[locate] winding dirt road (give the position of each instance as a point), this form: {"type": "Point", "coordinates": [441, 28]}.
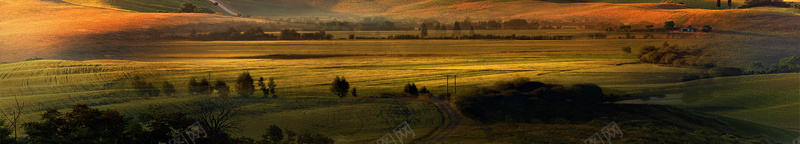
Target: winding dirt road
{"type": "Point", "coordinates": [223, 7]}
{"type": "Point", "coordinates": [453, 120]}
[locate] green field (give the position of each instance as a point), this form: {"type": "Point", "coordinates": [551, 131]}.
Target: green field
{"type": "Point", "coordinates": [303, 71]}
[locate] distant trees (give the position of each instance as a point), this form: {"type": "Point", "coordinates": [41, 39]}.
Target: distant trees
{"type": "Point", "coordinates": [627, 50]}
{"type": "Point", "coordinates": [786, 65]}
{"type": "Point", "coordinates": [33, 59]}
{"type": "Point", "coordinates": [5, 133]}
{"type": "Point", "coordinates": [222, 88]}
{"type": "Point", "coordinates": [188, 7]}
{"type": "Point", "coordinates": [143, 87]}
{"type": "Point", "coordinates": [244, 84]}
{"type": "Point", "coordinates": [411, 89]}
{"type": "Point", "coordinates": [271, 87]}
{"type": "Point", "coordinates": [423, 30]}
{"type": "Point", "coordinates": [274, 134]}
{"type": "Point", "coordinates": [669, 25]}
{"type": "Point", "coordinates": [291, 34]}
{"type": "Point", "coordinates": [168, 88]}
{"type": "Point", "coordinates": [673, 55]}
{"type": "Point", "coordinates": [516, 24]}
{"type": "Point", "coordinates": [263, 87]}
{"type": "Point", "coordinates": [340, 86]}
{"type": "Point", "coordinates": [456, 29]}
{"type": "Point", "coordinates": [233, 34]}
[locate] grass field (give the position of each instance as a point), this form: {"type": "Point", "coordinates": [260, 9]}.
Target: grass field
{"type": "Point", "coordinates": [303, 70]}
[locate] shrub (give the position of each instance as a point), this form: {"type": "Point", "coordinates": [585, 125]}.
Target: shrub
{"type": "Point", "coordinates": [244, 85]}
{"type": "Point", "coordinates": [690, 77]}
{"type": "Point", "coordinates": [627, 50]}
{"type": "Point", "coordinates": [340, 86]}
{"type": "Point", "coordinates": [724, 71]}
{"type": "Point", "coordinates": [168, 88]}
{"type": "Point", "coordinates": [222, 88]}
{"type": "Point", "coordinates": [523, 99]}
{"type": "Point", "coordinates": [33, 59]}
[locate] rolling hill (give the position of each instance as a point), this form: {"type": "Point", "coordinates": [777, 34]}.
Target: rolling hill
{"type": "Point", "coordinates": [32, 28]}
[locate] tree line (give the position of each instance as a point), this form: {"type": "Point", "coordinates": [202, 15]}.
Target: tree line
{"type": "Point", "coordinates": [673, 55]}
{"type": "Point", "coordinates": [84, 124]}
{"type": "Point", "coordinates": [232, 34]}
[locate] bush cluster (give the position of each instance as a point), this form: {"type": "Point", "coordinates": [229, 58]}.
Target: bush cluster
{"type": "Point", "coordinates": [522, 99]}
{"type": "Point", "coordinates": [673, 55]}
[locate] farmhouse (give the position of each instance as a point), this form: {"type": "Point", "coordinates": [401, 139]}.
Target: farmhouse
{"type": "Point", "coordinates": [688, 29]}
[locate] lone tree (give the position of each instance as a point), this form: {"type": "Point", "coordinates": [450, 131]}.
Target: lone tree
{"type": "Point", "coordinates": [244, 85]}
{"type": "Point", "coordinates": [143, 87]}
{"type": "Point", "coordinates": [187, 7]}
{"type": "Point", "coordinates": [168, 88]}
{"type": "Point", "coordinates": [669, 25]}
{"type": "Point", "coordinates": [193, 86]}
{"type": "Point", "coordinates": [274, 134]}
{"type": "Point", "coordinates": [271, 87]}
{"type": "Point", "coordinates": [222, 88]}
{"type": "Point", "coordinates": [340, 86]}
{"type": "Point", "coordinates": [423, 30]}
{"type": "Point", "coordinates": [205, 87]}
{"type": "Point", "coordinates": [627, 50]}
{"type": "Point", "coordinates": [263, 87]}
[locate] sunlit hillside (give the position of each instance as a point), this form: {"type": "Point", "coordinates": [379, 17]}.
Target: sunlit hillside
{"type": "Point", "coordinates": [33, 28]}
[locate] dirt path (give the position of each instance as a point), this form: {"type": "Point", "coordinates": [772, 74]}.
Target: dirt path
{"type": "Point", "coordinates": [223, 7]}
{"type": "Point", "coordinates": [452, 121]}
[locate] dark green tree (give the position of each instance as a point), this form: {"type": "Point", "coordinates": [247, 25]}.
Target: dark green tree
{"type": "Point", "coordinates": [627, 50]}
{"type": "Point", "coordinates": [271, 87]}
{"type": "Point", "coordinates": [669, 25]}
{"type": "Point", "coordinates": [274, 134]}
{"type": "Point", "coordinates": [143, 87]}
{"type": "Point", "coordinates": [5, 133]}
{"type": "Point", "coordinates": [187, 7]}
{"type": "Point", "coordinates": [263, 87]}
{"type": "Point", "coordinates": [157, 126]}
{"type": "Point", "coordinates": [423, 30]}
{"type": "Point", "coordinates": [168, 88]}
{"type": "Point", "coordinates": [411, 89]}
{"type": "Point", "coordinates": [222, 88]}
{"type": "Point", "coordinates": [244, 85]}
{"type": "Point", "coordinates": [193, 86]}
{"type": "Point", "coordinates": [205, 87]}
{"type": "Point", "coordinates": [340, 86]}
{"type": "Point", "coordinates": [82, 125]}
{"type": "Point", "coordinates": [354, 93]}
{"type": "Point", "coordinates": [424, 90]}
